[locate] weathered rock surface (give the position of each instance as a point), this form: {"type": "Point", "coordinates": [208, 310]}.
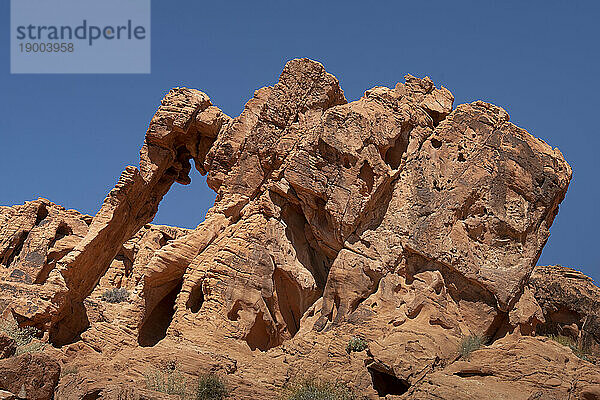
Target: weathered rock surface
{"type": "Point", "coordinates": [570, 302]}
{"type": "Point", "coordinates": [34, 236]}
{"type": "Point", "coordinates": [4, 395]}
{"type": "Point", "coordinates": [31, 376]}
{"type": "Point", "coordinates": [394, 217]}
{"type": "Point", "coordinates": [528, 368]}
{"type": "Point", "coordinates": [8, 346]}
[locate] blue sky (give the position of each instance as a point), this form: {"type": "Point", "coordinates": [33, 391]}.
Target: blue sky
{"type": "Point", "coordinates": [68, 137]}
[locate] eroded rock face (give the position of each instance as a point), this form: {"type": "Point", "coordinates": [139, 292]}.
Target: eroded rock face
{"type": "Point", "coordinates": [394, 217]}
{"type": "Point", "coordinates": [526, 368]}
{"type": "Point", "coordinates": [30, 376]}
{"type": "Point", "coordinates": [39, 233]}
{"type": "Point", "coordinates": [570, 302]}
{"type": "Point", "coordinates": [34, 236]}
{"type": "Point", "coordinates": [8, 346]}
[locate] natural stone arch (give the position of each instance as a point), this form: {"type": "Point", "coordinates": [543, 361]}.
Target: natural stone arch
{"type": "Point", "coordinates": [316, 199]}
{"type": "Point", "coordinates": [184, 127]}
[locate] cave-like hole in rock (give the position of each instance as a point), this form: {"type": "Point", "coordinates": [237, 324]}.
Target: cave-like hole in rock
{"type": "Point", "coordinates": [63, 230]}
{"type": "Point", "coordinates": [93, 395]}
{"type": "Point", "coordinates": [393, 156]}
{"type": "Point", "coordinates": [385, 383]}
{"type": "Point", "coordinates": [194, 302]}
{"type": "Point", "coordinates": [127, 263]}
{"type": "Point", "coordinates": [259, 337]}
{"type": "Point", "coordinates": [154, 328]}
{"type": "Point", "coordinates": [234, 313]}
{"type": "Point", "coordinates": [289, 300]}
{"type": "Point", "coordinates": [41, 215]}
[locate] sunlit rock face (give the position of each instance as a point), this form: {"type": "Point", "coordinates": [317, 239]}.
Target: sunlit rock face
{"type": "Point", "coordinates": [393, 217]}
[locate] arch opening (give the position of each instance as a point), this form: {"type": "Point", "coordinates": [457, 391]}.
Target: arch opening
{"type": "Point", "coordinates": [185, 205]}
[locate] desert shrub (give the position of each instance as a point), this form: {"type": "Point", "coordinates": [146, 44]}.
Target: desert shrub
{"type": "Point", "coordinates": [24, 337]}
{"type": "Point", "coordinates": [469, 344]}
{"type": "Point", "coordinates": [210, 387]}
{"type": "Point", "coordinates": [356, 344]}
{"type": "Point", "coordinates": [169, 381]}
{"type": "Point", "coordinates": [578, 350]}
{"type": "Point", "coordinates": [318, 390]}
{"type": "Point", "coordinates": [32, 347]}
{"type": "Point", "coordinates": [115, 295]}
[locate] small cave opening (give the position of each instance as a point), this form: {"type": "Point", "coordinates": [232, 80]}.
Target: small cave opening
{"type": "Point", "coordinates": [196, 298]}
{"type": "Point", "coordinates": [62, 231]}
{"type": "Point", "coordinates": [393, 155]}
{"type": "Point", "coordinates": [437, 117]}
{"type": "Point", "coordinates": [385, 383]}
{"type": "Point", "coordinates": [154, 328]}
{"type": "Point", "coordinates": [436, 143]}
{"type": "Point", "coordinates": [93, 395]}
{"type": "Point", "coordinates": [41, 215]}
{"type": "Point", "coordinates": [289, 300]}
{"type": "Point", "coordinates": [234, 313]}
{"type": "Point", "coordinates": [127, 263]}
{"type": "Point", "coordinates": [259, 337]}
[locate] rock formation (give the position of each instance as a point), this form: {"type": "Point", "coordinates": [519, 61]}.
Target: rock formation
{"type": "Point", "coordinates": [570, 302]}
{"type": "Point", "coordinates": [394, 217]}
{"type": "Point", "coordinates": [30, 376]}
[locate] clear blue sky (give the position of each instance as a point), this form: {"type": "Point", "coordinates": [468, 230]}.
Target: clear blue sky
{"type": "Point", "coordinates": [68, 137]}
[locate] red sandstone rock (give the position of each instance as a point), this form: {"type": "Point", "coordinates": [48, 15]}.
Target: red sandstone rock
{"type": "Point", "coordinates": [393, 217]}
{"type": "Point", "coordinates": [31, 376]}
{"type": "Point", "coordinates": [8, 347]}
{"type": "Point", "coordinates": [570, 302]}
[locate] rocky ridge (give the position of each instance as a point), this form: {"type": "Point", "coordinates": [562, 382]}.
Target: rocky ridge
{"type": "Point", "coordinates": [395, 218]}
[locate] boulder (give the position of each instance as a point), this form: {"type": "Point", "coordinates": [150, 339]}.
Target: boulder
{"type": "Point", "coordinates": [8, 346]}
{"type": "Point", "coordinates": [30, 375]}
{"type": "Point", "coordinates": [570, 302]}
{"type": "Point", "coordinates": [524, 369]}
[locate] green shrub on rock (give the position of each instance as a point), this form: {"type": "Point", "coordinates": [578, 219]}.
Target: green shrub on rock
{"type": "Point", "coordinates": [26, 338]}
{"type": "Point", "coordinates": [311, 389]}
{"type": "Point", "coordinates": [469, 344]}
{"type": "Point", "coordinates": [210, 387]}
{"type": "Point", "coordinates": [356, 344]}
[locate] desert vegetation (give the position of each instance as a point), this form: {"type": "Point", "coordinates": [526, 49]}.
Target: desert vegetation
{"type": "Point", "coordinates": [312, 389]}
{"type": "Point", "coordinates": [26, 338]}
{"type": "Point", "coordinates": [469, 344]}
{"type": "Point", "coordinates": [166, 380]}
{"type": "Point", "coordinates": [356, 344]}
{"type": "Point", "coordinates": [577, 349]}
{"type": "Point", "coordinates": [210, 387]}
{"type": "Point", "coordinates": [115, 295]}
{"type": "Point", "coordinates": [171, 381]}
